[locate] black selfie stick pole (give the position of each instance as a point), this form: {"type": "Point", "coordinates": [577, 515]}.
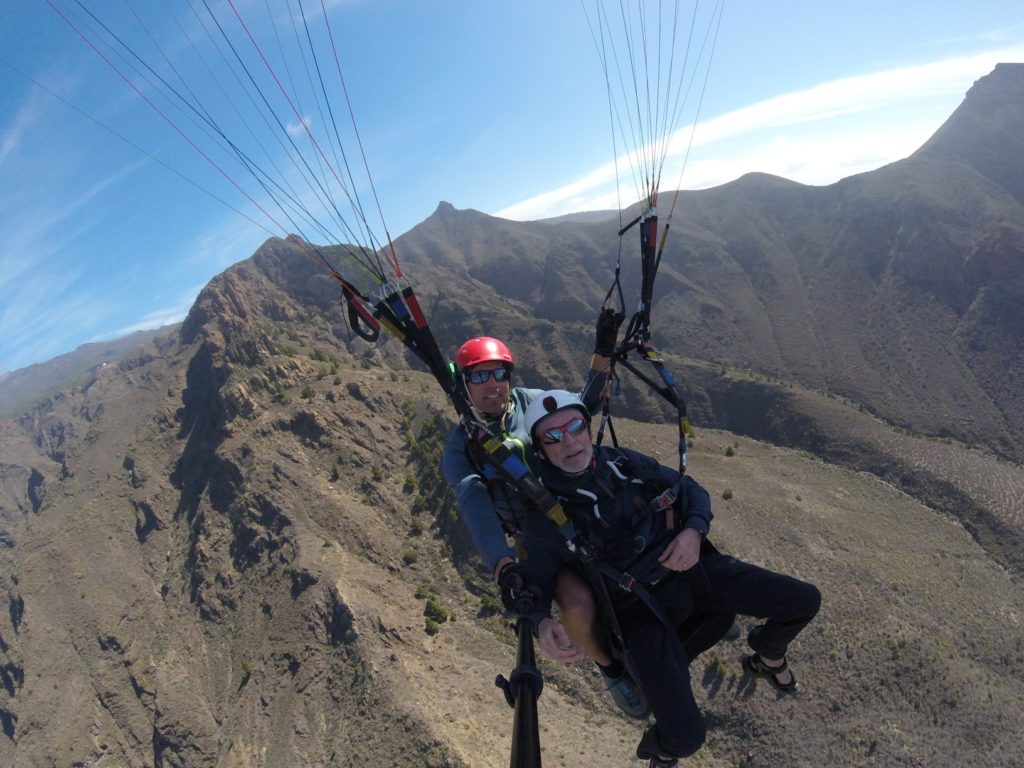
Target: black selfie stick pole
{"type": "Point", "coordinates": [523, 690]}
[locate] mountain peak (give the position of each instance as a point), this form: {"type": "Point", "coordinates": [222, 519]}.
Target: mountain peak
{"type": "Point", "coordinates": [984, 132]}
{"type": "Point", "coordinates": [1007, 76]}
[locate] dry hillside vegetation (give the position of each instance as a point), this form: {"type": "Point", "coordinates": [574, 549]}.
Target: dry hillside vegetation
{"type": "Point", "coordinates": [983, 492]}
{"type": "Point", "coordinates": [272, 611]}
{"type": "Point", "coordinates": [920, 630]}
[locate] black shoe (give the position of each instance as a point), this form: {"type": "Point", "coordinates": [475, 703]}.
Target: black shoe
{"type": "Point", "coordinates": [648, 748]}
{"type": "Point", "coordinates": [663, 762]}
{"type": "Point", "coordinates": [754, 666]}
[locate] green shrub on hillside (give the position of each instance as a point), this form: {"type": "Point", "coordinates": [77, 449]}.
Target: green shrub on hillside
{"type": "Point", "coordinates": [434, 610]}
{"type": "Point", "coordinates": [490, 605]}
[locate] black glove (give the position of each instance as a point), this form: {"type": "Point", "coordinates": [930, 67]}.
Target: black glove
{"type": "Point", "coordinates": [512, 580]}
{"type": "Point", "coordinates": [607, 331]}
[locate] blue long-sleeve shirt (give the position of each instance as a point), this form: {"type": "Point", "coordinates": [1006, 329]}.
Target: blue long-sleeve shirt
{"type": "Point", "coordinates": [476, 507]}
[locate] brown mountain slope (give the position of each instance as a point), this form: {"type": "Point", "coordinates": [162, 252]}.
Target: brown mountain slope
{"type": "Point", "coordinates": [221, 552]}
{"type": "Point", "coordinates": [901, 289]}
{"type": "Point", "coordinates": [20, 389]}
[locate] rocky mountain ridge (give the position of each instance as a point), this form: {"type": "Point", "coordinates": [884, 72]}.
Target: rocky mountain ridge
{"type": "Point", "coordinates": [899, 289]}
{"type": "Point", "coordinates": [21, 388]}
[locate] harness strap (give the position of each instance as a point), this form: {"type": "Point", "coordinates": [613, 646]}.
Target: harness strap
{"type": "Point", "coordinates": [499, 462]}
{"type": "Point", "coordinates": [627, 583]}
{"type": "Point", "coordinates": [667, 389]}
{"type": "Point", "coordinates": [622, 579]}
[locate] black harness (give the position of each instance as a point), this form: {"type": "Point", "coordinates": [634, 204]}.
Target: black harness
{"type": "Point", "coordinates": [643, 519]}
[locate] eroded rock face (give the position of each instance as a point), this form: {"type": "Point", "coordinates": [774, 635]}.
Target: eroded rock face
{"type": "Point", "coordinates": [186, 609]}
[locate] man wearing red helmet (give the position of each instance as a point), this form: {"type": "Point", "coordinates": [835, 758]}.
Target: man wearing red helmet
{"type": "Point", "coordinates": [484, 366]}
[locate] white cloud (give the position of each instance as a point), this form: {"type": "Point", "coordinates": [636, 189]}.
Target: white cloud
{"type": "Point", "coordinates": [11, 137]}
{"type": "Point", "coordinates": [220, 246]}
{"type": "Point", "coordinates": [158, 318]}
{"type": "Point", "coordinates": [777, 135]}
{"type": "Point", "coordinates": [299, 128]}
{"type": "Point", "coordinates": [45, 232]}
{"type": "Point", "coordinates": [50, 328]}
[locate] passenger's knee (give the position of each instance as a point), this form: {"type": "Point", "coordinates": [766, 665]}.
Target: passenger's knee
{"type": "Point", "coordinates": [812, 599]}
{"type": "Point", "coordinates": [700, 635]}
{"type": "Point", "coordinates": [574, 597]}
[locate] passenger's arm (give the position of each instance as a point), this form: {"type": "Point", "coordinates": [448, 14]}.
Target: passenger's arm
{"type": "Point", "coordinates": [695, 506]}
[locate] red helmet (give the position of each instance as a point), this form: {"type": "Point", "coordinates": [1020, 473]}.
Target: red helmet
{"type": "Point", "coordinates": [482, 349]}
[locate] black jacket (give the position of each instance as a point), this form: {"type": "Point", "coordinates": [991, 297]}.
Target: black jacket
{"type": "Point", "coordinates": [612, 518]}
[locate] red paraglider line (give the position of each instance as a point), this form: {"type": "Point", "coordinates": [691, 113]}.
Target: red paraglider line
{"type": "Point", "coordinates": [170, 122]}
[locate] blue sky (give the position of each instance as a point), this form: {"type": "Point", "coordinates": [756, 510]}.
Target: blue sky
{"type": "Point", "coordinates": [497, 106]}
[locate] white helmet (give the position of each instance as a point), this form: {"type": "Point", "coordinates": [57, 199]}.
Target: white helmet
{"type": "Point", "coordinates": [548, 402]}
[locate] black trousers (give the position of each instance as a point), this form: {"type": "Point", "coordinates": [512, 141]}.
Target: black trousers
{"type": "Point", "coordinates": [718, 585]}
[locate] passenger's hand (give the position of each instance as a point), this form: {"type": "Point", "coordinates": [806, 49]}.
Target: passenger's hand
{"type": "Point", "coordinates": [683, 552]}
{"type": "Point", "coordinates": [556, 642]}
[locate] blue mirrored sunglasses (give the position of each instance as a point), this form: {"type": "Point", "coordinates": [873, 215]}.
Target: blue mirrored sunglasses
{"type": "Point", "coordinates": [481, 376]}
{"type": "Point", "coordinates": [557, 434]}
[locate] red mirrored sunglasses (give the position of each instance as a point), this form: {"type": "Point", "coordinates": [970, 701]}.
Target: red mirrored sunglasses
{"type": "Point", "coordinates": [572, 427]}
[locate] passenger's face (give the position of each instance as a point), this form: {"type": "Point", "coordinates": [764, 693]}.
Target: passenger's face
{"type": "Point", "coordinates": [490, 397]}
{"type": "Point", "coordinates": [564, 437]}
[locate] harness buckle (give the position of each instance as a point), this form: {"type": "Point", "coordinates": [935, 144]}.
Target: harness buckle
{"type": "Point", "coordinates": [664, 500]}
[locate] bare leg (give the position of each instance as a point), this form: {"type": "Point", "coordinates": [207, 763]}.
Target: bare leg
{"type": "Point", "coordinates": [579, 615]}
{"type": "Point", "coordinates": [579, 620]}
